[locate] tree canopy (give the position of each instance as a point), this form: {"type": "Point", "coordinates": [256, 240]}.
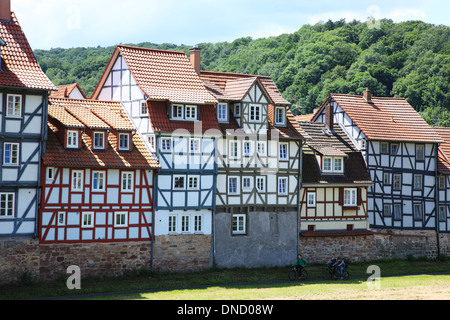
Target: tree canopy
{"type": "Point", "coordinates": [409, 60]}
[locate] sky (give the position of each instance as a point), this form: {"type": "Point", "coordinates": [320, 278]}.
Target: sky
{"type": "Point", "coordinates": [91, 23]}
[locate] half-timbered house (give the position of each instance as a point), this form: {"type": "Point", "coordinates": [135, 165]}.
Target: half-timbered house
{"type": "Point", "coordinates": [259, 171]}
{"type": "Point", "coordinates": [335, 181]}
{"type": "Point", "coordinates": [401, 152]}
{"type": "Point", "coordinates": [175, 115]}
{"type": "Point", "coordinates": [24, 90]}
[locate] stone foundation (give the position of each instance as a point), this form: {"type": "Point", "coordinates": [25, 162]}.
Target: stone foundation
{"type": "Point", "coordinates": [182, 253]}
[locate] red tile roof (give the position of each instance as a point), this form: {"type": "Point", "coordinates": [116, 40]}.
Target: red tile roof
{"type": "Point", "coordinates": [61, 115]}
{"type": "Point", "coordinates": [19, 65]}
{"type": "Point", "coordinates": [389, 119]}
{"type": "Point", "coordinates": [65, 90]}
{"type": "Point", "coordinates": [162, 75]}
{"type": "Point", "coordinates": [444, 150]}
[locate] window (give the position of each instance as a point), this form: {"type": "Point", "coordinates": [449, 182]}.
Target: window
{"type": "Point", "coordinates": [246, 183]}
{"type": "Point", "coordinates": [441, 182]}
{"type": "Point", "coordinates": [386, 178]}
{"type": "Point", "coordinates": [261, 184]}
{"type": "Point", "coordinates": [50, 174]}
{"type": "Point", "coordinates": [417, 211]}
{"type": "Point", "coordinates": [261, 148]}
{"type": "Point", "coordinates": [166, 144]}
{"type": "Point", "coordinates": [198, 223]}
{"type": "Point", "coordinates": [184, 223]}
{"type": "Point", "coordinates": [350, 197]}
{"type": "Point", "coordinates": [384, 148]}
{"type": "Point", "coordinates": [387, 210]}
{"type": "Point", "coordinates": [152, 143]}
{"type": "Point", "coordinates": [61, 218]}
{"type": "Point", "coordinates": [177, 111]}
{"type": "Point", "coordinates": [72, 139]}
{"type": "Point", "coordinates": [255, 113]}
{"type": "Point", "coordinates": [98, 181]}
{"type": "Point", "coordinates": [7, 204]}
{"type": "Point", "coordinates": [247, 148]}
{"type": "Point", "coordinates": [120, 219]}
{"type": "Point", "coordinates": [14, 105]}
{"type": "Point", "coordinates": [397, 211]}
{"type": "Point", "coordinates": [442, 213]}
{"type": "Point", "coordinates": [283, 155]}
{"type": "Point", "coordinates": [417, 182]}
{"type": "Point", "coordinates": [283, 186]}
{"type": "Point", "coordinates": [190, 113]}
{"type": "Point", "coordinates": [394, 148]}
{"type": "Point", "coordinates": [280, 115]}
{"type": "Point", "coordinates": [178, 182]}
{"type": "Point", "coordinates": [222, 112]}
{"type": "Point", "coordinates": [194, 145]}
{"type": "Point", "coordinates": [237, 110]}
{"type": "Point", "coordinates": [11, 154]}
{"type": "Point", "coordinates": [143, 109]}
{"type": "Point", "coordinates": [333, 164]}
{"type": "Point", "coordinates": [420, 152]}
{"type": "Point", "coordinates": [233, 185]}
{"type": "Point", "coordinates": [124, 141]}
{"type": "Point", "coordinates": [127, 181]}
{"type": "Point", "coordinates": [193, 182]}
{"type": "Point", "coordinates": [87, 220]}
{"type": "Point", "coordinates": [397, 184]}
{"type": "Point", "coordinates": [99, 140]}
{"type": "Point", "coordinates": [234, 149]}
{"type": "Point", "coordinates": [239, 224]}
{"type": "Point", "coordinates": [311, 199]}
{"type": "Point", "coordinates": [172, 223]}
{"type": "Point", "coordinates": [77, 180]}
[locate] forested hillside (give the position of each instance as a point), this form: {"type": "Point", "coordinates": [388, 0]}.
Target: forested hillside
{"type": "Point", "coordinates": [410, 60]}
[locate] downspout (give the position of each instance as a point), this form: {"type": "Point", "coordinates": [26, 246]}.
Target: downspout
{"type": "Point", "coordinates": [436, 211]}
{"type": "Point", "coordinates": [155, 202]}
{"type": "Point", "coordinates": [300, 163]}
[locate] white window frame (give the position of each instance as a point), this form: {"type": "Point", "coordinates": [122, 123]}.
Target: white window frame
{"type": "Point", "coordinates": [417, 182]}
{"type": "Point", "coordinates": [176, 180]}
{"type": "Point", "coordinates": [152, 142]}
{"type": "Point", "coordinates": [166, 144]}
{"type": "Point", "coordinates": [311, 199]}
{"type": "Point", "coordinates": [249, 151]}
{"type": "Point", "coordinates": [126, 181]}
{"type": "Point", "coordinates": [99, 140]}
{"type": "Point", "coordinates": [77, 180]}
{"type": "Point", "coordinates": [387, 210]}
{"type": "Point", "coordinates": [283, 185]}
{"type": "Point", "coordinates": [126, 140]}
{"type": "Point", "coordinates": [254, 113]}
{"type": "Point", "coordinates": [386, 178]}
{"type": "Point", "coordinates": [261, 148]}
{"type": "Point", "coordinates": [172, 223]}
{"type": "Point", "coordinates": [191, 112]}
{"type": "Point", "coordinates": [234, 184]}
{"type": "Point", "coordinates": [120, 219]}
{"type": "Point", "coordinates": [12, 111]}
{"type": "Point", "coordinates": [222, 112]}
{"type": "Point", "coordinates": [87, 219]}
{"type": "Point", "coordinates": [280, 116]}
{"type": "Point", "coordinates": [195, 145]}
{"type": "Point", "coordinates": [237, 110]}
{"type": "Point", "coordinates": [198, 223]}
{"type": "Point", "coordinates": [350, 197]}
{"type": "Point", "coordinates": [72, 139]}
{"type": "Point", "coordinates": [50, 173]}
{"type": "Point", "coordinates": [61, 218]}
{"type": "Point", "coordinates": [193, 182]}
{"type": "Point", "coordinates": [261, 184]}
{"type": "Point", "coordinates": [233, 150]}
{"type": "Point", "coordinates": [283, 155]}
{"type": "Point", "coordinates": [185, 223]}
{"type": "Point", "coordinates": [417, 211]}
{"type": "Point", "coordinates": [7, 205]}
{"type": "Point", "coordinates": [332, 168]}
{"type": "Point", "coordinates": [384, 148]}
{"type": "Point", "coordinates": [250, 183]}
{"type": "Point", "coordinates": [100, 176]}
{"type": "Point", "coordinates": [420, 152]}
{"type": "Point", "coordinates": [397, 182]}
{"type": "Point", "coordinates": [14, 157]}
{"type": "Point", "coordinates": [442, 182]}
{"type": "Point", "coordinates": [239, 224]}
{"type": "Point", "coordinates": [143, 108]}
{"type": "Point", "coordinates": [178, 112]}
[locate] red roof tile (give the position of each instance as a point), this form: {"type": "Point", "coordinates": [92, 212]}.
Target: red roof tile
{"type": "Point", "coordinates": [19, 65]}
{"type": "Point", "coordinates": [444, 150]}
{"type": "Point", "coordinates": [389, 119]}
{"type": "Point", "coordinates": [65, 90]}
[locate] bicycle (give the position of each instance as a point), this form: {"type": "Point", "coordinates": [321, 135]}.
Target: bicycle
{"type": "Point", "coordinates": [329, 271]}
{"type": "Point", "coordinates": [337, 273]}
{"type": "Point", "coordinates": [296, 274]}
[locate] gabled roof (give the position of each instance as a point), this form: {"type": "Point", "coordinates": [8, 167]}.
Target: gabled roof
{"type": "Point", "coordinates": [64, 113]}
{"type": "Point", "coordinates": [162, 75]}
{"type": "Point", "coordinates": [19, 65]}
{"type": "Point", "coordinates": [444, 150]}
{"type": "Point", "coordinates": [388, 119]}
{"type": "Point", "coordinates": [65, 90]}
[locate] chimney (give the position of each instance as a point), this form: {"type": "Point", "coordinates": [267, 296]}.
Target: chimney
{"type": "Point", "coordinates": [329, 116]}
{"type": "Point", "coordinates": [367, 95]}
{"type": "Point", "coordinates": [195, 58]}
{"type": "Point", "coordinates": [5, 10]}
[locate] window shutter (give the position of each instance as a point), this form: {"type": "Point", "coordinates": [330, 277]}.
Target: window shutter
{"type": "Point", "coordinates": [341, 196]}
{"type": "Point", "coordinates": [359, 196]}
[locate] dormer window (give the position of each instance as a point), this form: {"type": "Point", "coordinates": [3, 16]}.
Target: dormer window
{"type": "Point", "coordinates": [280, 116]}
{"type": "Point", "coordinates": [255, 113]}
{"type": "Point", "coordinates": [72, 139]}
{"type": "Point", "coordinates": [237, 110]}
{"type": "Point", "coordinates": [124, 141]}
{"type": "Point", "coordinates": [182, 112]}
{"type": "Point", "coordinates": [99, 140]}
{"type": "Point", "coordinates": [222, 112]}
{"type": "Point", "coordinates": [333, 165]}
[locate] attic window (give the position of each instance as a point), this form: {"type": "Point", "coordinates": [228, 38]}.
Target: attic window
{"type": "Point", "coordinates": [72, 139]}
{"type": "Point", "coordinates": [124, 141]}
{"type": "Point", "coordinates": [333, 164]}
{"type": "Point", "coordinates": [99, 140]}
{"type": "Point", "coordinates": [280, 116]}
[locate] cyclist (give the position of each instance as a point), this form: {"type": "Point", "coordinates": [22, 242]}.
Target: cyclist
{"type": "Point", "coordinates": [332, 261]}
{"type": "Point", "coordinates": [300, 263]}
{"type": "Point", "coordinates": [341, 265]}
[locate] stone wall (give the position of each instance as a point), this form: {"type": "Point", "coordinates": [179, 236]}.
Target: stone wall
{"type": "Point", "coordinates": [19, 260]}
{"type": "Point", "coordinates": [182, 253]}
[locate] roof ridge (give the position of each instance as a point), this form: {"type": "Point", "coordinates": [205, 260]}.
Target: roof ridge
{"type": "Point", "coordinates": [237, 74]}
{"type": "Point", "coordinates": [150, 49]}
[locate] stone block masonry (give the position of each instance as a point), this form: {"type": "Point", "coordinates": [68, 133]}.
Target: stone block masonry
{"type": "Point", "coordinates": [19, 259]}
